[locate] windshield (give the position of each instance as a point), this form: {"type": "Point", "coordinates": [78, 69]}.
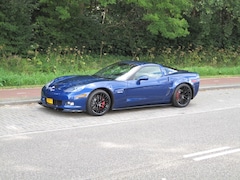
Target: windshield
{"type": "Point", "coordinates": [114, 71]}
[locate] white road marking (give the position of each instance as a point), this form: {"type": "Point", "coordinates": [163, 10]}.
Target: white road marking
{"type": "Point", "coordinates": [216, 155]}
{"type": "Point", "coordinates": [205, 152]}
{"type": "Point", "coordinates": [211, 153]}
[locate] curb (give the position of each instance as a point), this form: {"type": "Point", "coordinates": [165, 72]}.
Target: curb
{"type": "Point", "coordinates": [219, 87]}
{"type": "Point", "coordinates": [17, 102]}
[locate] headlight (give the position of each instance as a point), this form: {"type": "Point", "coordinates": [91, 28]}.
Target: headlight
{"type": "Point", "coordinates": [74, 89]}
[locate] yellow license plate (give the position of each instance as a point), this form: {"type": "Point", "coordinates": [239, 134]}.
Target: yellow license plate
{"type": "Point", "coordinates": [49, 100]}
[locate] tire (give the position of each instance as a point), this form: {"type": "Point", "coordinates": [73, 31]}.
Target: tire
{"type": "Point", "coordinates": [182, 95]}
{"type": "Point", "coordinates": [98, 103]}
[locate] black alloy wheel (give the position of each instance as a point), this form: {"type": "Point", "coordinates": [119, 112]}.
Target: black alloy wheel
{"type": "Point", "coordinates": [182, 95]}
{"type": "Point", "coordinates": [99, 102]}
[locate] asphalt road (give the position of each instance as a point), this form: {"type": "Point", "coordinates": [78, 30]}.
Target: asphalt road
{"type": "Point", "coordinates": [201, 141]}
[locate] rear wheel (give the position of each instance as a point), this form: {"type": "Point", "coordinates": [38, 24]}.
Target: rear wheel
{"type": "Point", "coordinates": [99, 102]}
{"type": "Point", "coordinates": [182, 95]}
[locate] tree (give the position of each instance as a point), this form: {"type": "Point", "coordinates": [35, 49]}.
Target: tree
{"type": "Point", "coordinates": [165, 17]}
{"type": "Point", "coordinates": [135, 25]}
{"type": "Point", "coordinates": [217, 22]}
{"type": "Point", "coordinates": [16, 26]}
{"type": "Point", "coordinates": [67, 24]}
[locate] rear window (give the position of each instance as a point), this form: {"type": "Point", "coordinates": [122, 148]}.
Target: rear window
{"type": "Point", "coordinates": [170, 70]}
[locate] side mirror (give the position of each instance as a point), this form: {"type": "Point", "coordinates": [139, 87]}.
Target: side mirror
{"type": "Point", "coordinates": [142, 78]}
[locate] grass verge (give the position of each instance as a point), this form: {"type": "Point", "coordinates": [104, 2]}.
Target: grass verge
{"type": "Point", "coordinates": [40, 69]}
{"type": "Point", "coordinates": [8, 78]}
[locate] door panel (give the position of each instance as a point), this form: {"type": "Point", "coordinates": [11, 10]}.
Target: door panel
{"type": "Point", "coordinates": [151, 91]}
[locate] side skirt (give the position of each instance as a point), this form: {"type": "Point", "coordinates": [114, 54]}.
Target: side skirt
{"type": "Point", "coordinates": [143, 106]}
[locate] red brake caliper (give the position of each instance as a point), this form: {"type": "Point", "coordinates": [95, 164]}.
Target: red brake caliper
{"type": "Point", "coordinates": [178, 95]}
{"type": "Point", "coordinates": [103, 103]}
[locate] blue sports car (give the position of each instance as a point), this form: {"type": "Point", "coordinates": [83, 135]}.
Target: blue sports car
{"type": "Point", "coordinates": [125, 84]}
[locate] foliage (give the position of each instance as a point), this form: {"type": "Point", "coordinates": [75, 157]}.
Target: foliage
{"type": "Point", "coordinates": [16, 26]}
{"type": "Point", "coordinates": [215, 23]}
{"type": "Point", "coordinates": [165, 17]}
{"type": "Point", "coordinates": [135, 28]}
{"type": "Point", "coordinates": [65, 24]}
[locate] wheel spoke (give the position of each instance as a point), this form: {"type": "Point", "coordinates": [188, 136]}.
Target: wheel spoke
{"type": "Point", "coordinates": [183, 95]}
{"type": "Point", "coordinates": [100, 103]}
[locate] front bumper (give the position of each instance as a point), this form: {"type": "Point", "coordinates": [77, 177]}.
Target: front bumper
{"type": "Point", "coordinates": [63, 108]}
{"type": "Point", "coordinates": [62, 102]}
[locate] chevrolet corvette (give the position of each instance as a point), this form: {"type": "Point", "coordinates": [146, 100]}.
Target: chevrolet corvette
{"type": "Point", "coordinates": [122, 85]}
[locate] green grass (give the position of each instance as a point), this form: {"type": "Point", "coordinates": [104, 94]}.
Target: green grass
{"type": "Point", "coordinates": [215, 71]}
{"type": "Point", "coordinates": [32, 79]}
{"type": "Point", "coordinates": [9, 78]}
{"type": "Point", "coordinates": [40, 69]}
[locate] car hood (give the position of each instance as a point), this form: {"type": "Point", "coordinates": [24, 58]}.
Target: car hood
{"type": "Point", "coordinates": [66, 82]}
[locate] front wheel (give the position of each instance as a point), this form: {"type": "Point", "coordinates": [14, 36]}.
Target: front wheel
{"type": "Point", "coordinates": [99, 102]}
{"type": "Point", "coordinates": [182, 95]}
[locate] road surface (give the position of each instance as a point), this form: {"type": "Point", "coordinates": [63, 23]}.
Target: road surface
{"type": "Point", "coordinates": [201, 141]}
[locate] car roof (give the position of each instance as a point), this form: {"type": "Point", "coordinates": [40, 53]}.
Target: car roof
{"type": "Point", "coordinates": [137, 63]}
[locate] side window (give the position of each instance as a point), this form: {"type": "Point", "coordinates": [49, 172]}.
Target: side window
{"type": "Point", "coordinates": [153, 72]}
